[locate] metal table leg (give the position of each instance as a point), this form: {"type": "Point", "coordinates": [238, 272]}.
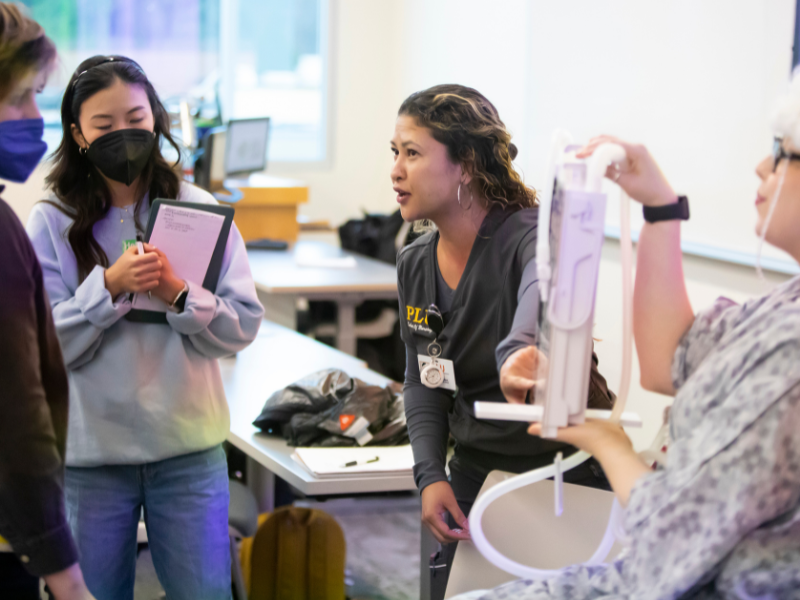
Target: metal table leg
{"type": "Point", "coordinates": [262, 483]}
{"type": "Point", "coordinates": [428, 546]}
{"type": "Point", "coordinates": [346, 334]}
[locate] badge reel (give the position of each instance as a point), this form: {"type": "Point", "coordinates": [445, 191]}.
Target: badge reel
{"type": "Point", "coordinates": [432, 375]}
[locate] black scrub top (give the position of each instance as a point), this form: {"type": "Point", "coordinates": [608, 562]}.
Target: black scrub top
{"type": "Point", "coordinates": [481, 315]}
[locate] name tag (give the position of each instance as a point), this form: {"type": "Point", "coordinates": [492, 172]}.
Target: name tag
{"type": "Point", "coordinates": [446, 378]}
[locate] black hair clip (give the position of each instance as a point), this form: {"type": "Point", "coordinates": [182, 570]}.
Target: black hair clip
{"type": "Point", "coordinates": [435, 319]}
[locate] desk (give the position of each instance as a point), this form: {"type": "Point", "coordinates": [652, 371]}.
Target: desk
{"type": "Point", "coordinates": [278, 357]}
{"type": "Point", "coordinates": [268, 207]}
{"type": "Point", "coordinates": [280, 282]}
{"type": "Point", "coordinates": [275, 359]}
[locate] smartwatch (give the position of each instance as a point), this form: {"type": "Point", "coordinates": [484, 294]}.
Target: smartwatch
{"type": "Point", "coordinates": [669, 212]}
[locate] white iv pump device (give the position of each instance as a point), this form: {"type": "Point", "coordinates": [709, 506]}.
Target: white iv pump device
{"type": "Point", "coordinates": [573, 205]}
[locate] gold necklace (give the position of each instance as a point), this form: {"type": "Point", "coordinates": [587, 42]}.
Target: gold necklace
{"type": "Point", "coordinates": [125, 208]}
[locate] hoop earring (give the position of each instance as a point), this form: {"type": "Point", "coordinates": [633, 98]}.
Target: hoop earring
{"type": "Point", "coordinates": [81, 150]}
{"type": "Point", "coordinates": [458, 194]}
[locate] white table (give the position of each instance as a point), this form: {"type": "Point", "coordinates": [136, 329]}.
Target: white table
{"type": "Point", "coordinates": [280, 282]}
{"type": "Point", "coordinates": [277, 358]}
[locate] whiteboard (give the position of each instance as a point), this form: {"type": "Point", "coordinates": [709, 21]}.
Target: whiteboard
{"type": "Point", "coordinates": [694, 80]}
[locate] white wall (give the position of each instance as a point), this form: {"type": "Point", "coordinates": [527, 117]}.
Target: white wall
{"type": "Point", "coordinates": [695, 81]}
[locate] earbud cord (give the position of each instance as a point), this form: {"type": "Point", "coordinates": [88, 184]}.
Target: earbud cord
{"type": "Point", "coordinates": [768, 220]}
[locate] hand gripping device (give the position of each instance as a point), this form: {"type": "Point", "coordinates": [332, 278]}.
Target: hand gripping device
{"type": "Point", "coordinates": [567, 262]}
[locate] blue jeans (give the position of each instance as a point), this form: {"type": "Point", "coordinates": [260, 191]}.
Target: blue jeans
{"type": "Point", "coordinates": [185, 501]}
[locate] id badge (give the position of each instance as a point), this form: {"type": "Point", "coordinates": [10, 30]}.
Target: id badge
{"type": "Point", "coordinates": [437, 372]}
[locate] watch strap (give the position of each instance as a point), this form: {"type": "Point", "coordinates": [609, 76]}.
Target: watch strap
{"type": "Point", "coordinates": [669, 212]}
{"type": "Point", "coordinates": [180, 303]}
{"type": "Point", "coordinates": [180, 299]}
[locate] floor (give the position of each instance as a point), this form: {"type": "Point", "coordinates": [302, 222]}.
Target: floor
{"type": "Point", "coordinates": [383, 541]}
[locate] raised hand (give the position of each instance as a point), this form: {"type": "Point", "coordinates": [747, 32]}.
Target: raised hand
{"type": "Point", "coordinates": [639, 175]}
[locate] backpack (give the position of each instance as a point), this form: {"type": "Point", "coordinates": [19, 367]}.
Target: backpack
{"type": "Point", "coordinates": [374, 236]}
{"type": "Point", "coordinates": [296, 554]}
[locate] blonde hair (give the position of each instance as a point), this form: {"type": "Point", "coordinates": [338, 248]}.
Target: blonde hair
{"type": "Point", "coordinates": [23, 47]}
{"type": "Point", "coordinates": [469, 126]}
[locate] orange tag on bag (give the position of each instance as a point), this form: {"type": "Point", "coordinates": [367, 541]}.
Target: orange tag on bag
{"type": "Point", "coordinates": [346, 420]}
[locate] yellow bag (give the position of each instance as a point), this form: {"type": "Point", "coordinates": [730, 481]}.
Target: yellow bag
{"type": "Point", "coordinates": [296, 554]}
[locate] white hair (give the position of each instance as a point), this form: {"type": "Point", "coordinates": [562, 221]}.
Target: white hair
{"type": "Point", "coordinates": [786, 118]}
{"type": "Point", "coordinates": [786, 125]}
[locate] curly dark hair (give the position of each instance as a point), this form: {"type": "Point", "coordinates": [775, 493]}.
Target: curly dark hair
{"type": "Point", "coordinates": [84, 195]}
{"type": "Point", "coordinates": [469, 126]}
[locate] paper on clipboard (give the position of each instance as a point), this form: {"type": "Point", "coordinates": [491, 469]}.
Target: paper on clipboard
{"type": "Point", "coordinates": [188, 237]}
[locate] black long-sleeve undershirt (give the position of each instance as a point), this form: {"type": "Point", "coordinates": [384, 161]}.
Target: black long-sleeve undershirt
{"type": "Point", "coordinates": [33, 410]}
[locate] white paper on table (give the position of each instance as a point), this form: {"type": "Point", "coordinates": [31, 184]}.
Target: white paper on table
{"type": "Point", "coordinates": [328, 462]}
{"type": "Point", "coordinates": [188, 237]}
{"type": "Point", "coordinates": [326, 262]}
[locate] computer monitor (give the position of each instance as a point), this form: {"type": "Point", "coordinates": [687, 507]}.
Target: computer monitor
{"type": "Point", "coordinates": [246, 146]}
{"type": "Point", "coordinates": [209, 163]}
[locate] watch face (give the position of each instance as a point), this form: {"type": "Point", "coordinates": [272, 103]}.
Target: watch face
{"type": "Point", "coordinates": [431, 376]}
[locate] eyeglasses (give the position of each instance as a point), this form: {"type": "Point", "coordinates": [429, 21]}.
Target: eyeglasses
{"type": "Point", "coordinates": [778, 154]}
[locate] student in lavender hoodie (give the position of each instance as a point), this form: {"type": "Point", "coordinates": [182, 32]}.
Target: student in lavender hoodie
{"type": "Point", "coordinates": [148, 412]}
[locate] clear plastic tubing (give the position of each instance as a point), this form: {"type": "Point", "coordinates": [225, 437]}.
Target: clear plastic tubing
{"type": "Point", "coordinates": [603, 156]}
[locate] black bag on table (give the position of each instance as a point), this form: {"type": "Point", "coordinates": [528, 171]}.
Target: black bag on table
{"type": "Point", "coordinates": [319, 409]}
{"type": "Point", "coordinates": [372, 236]}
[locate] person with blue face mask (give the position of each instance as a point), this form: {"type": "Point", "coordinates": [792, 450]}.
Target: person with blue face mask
{"type": "Point", "coordinates": [149, 413]}
{"type": "Point", "coordinates": [34, 397]}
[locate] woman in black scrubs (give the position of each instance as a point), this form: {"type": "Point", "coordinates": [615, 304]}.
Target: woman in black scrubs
{"type": "Point", "coordinates": [460, 286]}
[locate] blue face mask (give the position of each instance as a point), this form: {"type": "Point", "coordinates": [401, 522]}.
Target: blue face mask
{"type": "Point", "coordinates": [21, 148]}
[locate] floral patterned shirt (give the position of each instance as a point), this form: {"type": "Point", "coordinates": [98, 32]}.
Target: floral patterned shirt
{"type": "Point", "coordinates": [722, 519]}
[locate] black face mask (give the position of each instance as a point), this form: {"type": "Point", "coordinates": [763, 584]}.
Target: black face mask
{"type": "Point", "coordinates": [121, 155]}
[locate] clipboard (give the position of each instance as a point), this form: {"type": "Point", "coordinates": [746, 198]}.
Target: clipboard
{"type": "Point", "coordinates": [214, 266]}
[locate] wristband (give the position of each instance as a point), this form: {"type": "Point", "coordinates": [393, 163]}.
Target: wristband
{"type": "Point", "coordinates": [669, 212]}
{"type": "Point", "coordinates": [180, 299]}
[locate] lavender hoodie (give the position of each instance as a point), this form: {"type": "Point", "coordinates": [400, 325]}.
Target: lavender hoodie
{"type": "Point", "coordinates": [142, 392]}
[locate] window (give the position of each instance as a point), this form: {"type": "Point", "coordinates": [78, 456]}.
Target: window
{"type": "Point", "coordinates": [276, 67]}
{"type": "Point", "coordinates": [796, 47]}
{"type": "Point", "coordinates": [175, 41]}
{"type": "Point", "coordinates": [248, 58]}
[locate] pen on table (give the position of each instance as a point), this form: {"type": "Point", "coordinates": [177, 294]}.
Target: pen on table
{"type": "Point", "coordinates": [356, 463]}
{"type": "Point", "coordinates": [140, 250]}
